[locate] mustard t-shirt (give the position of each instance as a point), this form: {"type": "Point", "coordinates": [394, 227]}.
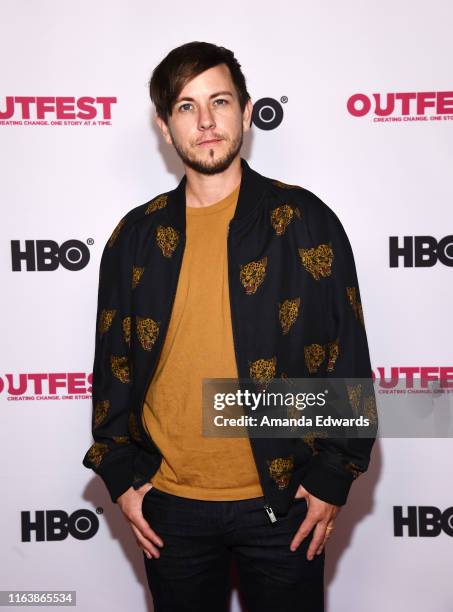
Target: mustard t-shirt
{"type": "Point", "coordinates": [199, 344]}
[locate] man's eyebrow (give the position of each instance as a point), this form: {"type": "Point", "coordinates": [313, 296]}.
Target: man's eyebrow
{"type": "Point", "coordinates": [214, 95]}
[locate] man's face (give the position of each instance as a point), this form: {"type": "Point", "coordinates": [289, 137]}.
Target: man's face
{"type": "Point", "coordinates": [206, 125]}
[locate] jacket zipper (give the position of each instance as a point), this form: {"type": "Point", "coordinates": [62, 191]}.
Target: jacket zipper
{"type": "Point", "coordinates": [267, 508]}
{"type": "Point", "coordinates": [270, 513]}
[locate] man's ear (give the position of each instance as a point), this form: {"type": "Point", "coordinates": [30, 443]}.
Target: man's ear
{"type": "Point", "coordinates": [247, 116]}
{"type": "Point", "coordinates": [163, 128]}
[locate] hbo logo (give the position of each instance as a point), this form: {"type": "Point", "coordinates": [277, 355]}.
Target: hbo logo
{"type": "Point", "coordinates": [422, 521]}
{"type": "Point", "coordinates": [53, 525]}
{"type": "Point", "coordinates": [45, 255]}
{"type": "Point", "coordinates": [420, 251]}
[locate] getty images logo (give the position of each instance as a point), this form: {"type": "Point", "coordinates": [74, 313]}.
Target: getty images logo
{"type": "Point", "coordinates": [47, 255]}
{"type": "Point", "coordinates": [57, 525]}
{"type": "Point", "coordinates": [422, 521]}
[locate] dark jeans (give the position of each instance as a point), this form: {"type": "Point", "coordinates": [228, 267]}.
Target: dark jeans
{"type": "Point", "coordinates": [202, 537]}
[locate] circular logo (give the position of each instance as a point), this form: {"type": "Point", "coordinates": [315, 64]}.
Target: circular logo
{"type": "Point", "coordinates": [267, 113]}
{"type": "Point", "coordinates": [445, 250]}
{"type": "Point", "coordinates": [74, 255]}
{"type": "Point", "coordinates": [83, 524]}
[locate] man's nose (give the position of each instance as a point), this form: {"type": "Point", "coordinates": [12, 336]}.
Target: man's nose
{"type": "Point", "coordinates": [206, 118]}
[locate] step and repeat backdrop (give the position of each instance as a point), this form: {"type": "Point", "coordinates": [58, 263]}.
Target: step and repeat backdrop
{"type": "Point", "coordinates": [353, 101]}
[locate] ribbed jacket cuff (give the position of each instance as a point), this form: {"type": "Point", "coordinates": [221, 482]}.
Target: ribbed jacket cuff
{"type": "Point", "coordinates": [326, 483]}
{"type": "Point", "coordinates": [118, 475]}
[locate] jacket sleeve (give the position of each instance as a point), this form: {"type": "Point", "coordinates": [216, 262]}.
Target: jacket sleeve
{"type": "Point", "coordinates": [112, 454]}
{"type": "Point", "coordinates": [336, 462]}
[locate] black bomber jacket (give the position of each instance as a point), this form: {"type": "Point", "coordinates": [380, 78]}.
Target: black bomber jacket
{"type": "Point", "coordinates": [295, 310]}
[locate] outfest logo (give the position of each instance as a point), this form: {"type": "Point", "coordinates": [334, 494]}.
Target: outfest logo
{"type": "Point", "coordinates": [32, 386]}
{"type": "Point", "coordinates": [56, 110]}
{"type": "Point", "coordinates": [402, 106]}
{"type": "Point", "coordinates": [413, 378]}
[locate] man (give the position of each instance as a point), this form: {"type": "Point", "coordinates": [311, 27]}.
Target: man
{"type": "Point", "coordinates": [229, 275]}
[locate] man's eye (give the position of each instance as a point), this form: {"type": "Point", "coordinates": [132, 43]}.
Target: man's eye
{"type": "Point", "coordinates": [183, 107]}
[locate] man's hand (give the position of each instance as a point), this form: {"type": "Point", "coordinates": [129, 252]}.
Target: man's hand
{"type": "Point", "coordinates": [320, 514]}
{"type": "Point", "coordinates": [130, 503]}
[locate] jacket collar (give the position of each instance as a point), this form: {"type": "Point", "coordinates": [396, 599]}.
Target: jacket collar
{"type": "Point", "coordinates": [251, 193]}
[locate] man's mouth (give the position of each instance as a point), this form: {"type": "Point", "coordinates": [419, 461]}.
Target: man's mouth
{"type": "Point", "coordinates": [210, 142]}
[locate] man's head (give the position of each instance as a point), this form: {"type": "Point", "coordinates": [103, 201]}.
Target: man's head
{"type": "Point", "coordinates": [200, 95]}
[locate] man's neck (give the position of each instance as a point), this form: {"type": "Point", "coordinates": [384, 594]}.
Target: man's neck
{"type": "Point", "coordinates": [206, 189]}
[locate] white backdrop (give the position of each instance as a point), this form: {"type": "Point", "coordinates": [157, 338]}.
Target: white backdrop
{"type": "Point", "coordinates": [74, 182]}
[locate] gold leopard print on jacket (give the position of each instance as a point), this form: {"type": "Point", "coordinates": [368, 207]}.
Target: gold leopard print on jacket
{"type": "Point", "coordinates": [280, 470]}
{"type": "Point", "coordinates": [167, 239]}
{"type": "Point", "coordinates": [147, 332]}
{"type": "Point", "coordinates": [282, 216]}
{"type": "Point", "coordinates": [252, 275]}
{"type": "Point", "coordinates": [287, 313]}
{"type": "Point", "coordinates": [262, 371]}
{"type": "Point", "coordinates": [318, 260]}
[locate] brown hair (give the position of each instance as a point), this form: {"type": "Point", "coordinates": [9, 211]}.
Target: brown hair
{"type": "Point", "coordinates": [183, 64]}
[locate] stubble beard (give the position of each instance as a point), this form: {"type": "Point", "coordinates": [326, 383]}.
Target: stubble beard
{"type": "Point", "coordinates": [215, 165]}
